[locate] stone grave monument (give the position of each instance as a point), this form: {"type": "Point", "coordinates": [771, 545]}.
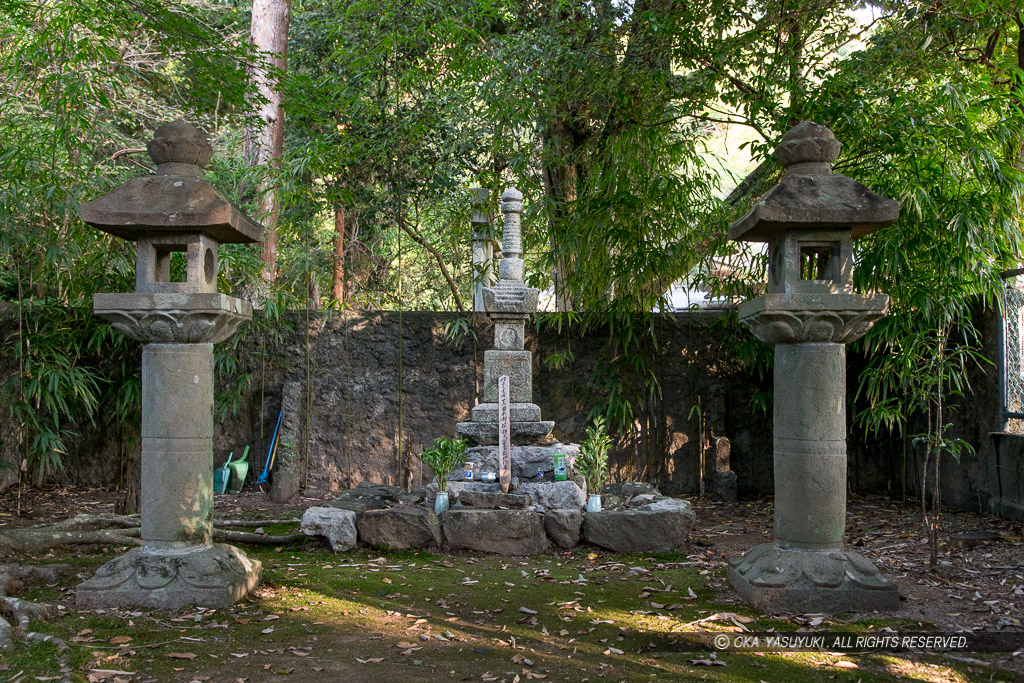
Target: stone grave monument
{"type": "Point", "coordinates": [174, 210]}
{"type": "Point", "coordinates": [809, 313]}
{"type": "Point", "coordinates": [510, 303]}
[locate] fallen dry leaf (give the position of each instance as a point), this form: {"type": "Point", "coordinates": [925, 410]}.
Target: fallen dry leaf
{"type": "Point", "coordinates": [710, 661]}
{"type": "Point", "coordinates": [182, 655]}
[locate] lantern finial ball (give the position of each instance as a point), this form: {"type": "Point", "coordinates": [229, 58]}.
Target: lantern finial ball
{"type": "Point", "coordinates": [179, 142]}
{"type": "Point", "coordinates": [808, 143]}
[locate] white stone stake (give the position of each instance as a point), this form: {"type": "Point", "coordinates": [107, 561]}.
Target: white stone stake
{"type": "Point", "coordinates": [504, 434]}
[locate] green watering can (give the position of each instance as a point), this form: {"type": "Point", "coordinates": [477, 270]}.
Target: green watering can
{"type": "Point", "coordinates": [239, 469]}
{"type": "Point", "coordinates": [220, 476]}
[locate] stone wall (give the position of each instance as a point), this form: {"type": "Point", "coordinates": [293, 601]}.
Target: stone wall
{"type": "Point", "coordinates": [892, 465]}
{"type": "Point", "coordinates": [356, 411]}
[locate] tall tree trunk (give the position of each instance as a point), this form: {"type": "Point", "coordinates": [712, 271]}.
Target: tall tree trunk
{"type": "Point", "coordinates": [264, 143]}
{"type": "Point", "coordinates": [338, 276]}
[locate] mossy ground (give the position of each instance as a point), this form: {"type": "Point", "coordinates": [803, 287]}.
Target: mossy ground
{"type": "Point", "coordinates": [411, 616]}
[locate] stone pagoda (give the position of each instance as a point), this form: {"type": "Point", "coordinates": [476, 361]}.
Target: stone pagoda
{"type": "Point", "coordinates": [510, 303]}
{"type": "Point", "coordinates": [174, 210]}
{"type": "Point", "coordinates": [809, 313]}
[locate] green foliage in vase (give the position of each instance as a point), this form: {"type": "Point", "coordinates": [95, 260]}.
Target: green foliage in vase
{"type": "Point", "coordinates": [592, 461]}
{"type": "Point", "coordinates": [443, 457]}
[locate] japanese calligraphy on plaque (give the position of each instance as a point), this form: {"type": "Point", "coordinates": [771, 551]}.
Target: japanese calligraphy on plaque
{"type": "Point", "coordinates": [504, 434]}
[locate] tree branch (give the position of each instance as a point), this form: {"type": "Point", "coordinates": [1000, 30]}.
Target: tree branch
{"type": "Point", "coordinates": [419, 239]}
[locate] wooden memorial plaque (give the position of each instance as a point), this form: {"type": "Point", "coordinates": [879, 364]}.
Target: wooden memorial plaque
{"type": "Point", "coordinates": [504, 434]}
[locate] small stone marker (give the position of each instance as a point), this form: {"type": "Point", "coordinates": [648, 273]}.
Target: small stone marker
{"type": "Point", "coordinates": [504, 434]}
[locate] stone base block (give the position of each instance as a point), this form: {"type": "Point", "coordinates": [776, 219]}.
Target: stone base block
{"type": "Point", "coordinates": [400, 528]}
{"type": "Point", "coordinates": [369, 496]}
{"type": "Point", "coordinates": [640, 531]}
{"type": "Point", "coordinates": [785, 580]}
{"type": "Point", "coordinates": [518, 365]}
{"type": "Point", "coordinates": [456, 489]}
{"type": "Point", "coordinates": [486, 433]}
{"type": "Point", "coordinates": [554, 495]}
{"type": "Point", "coordinates": [217, 576]}
{"type": "Point", "coordinates": [1000, 507]}
{"type": "Point", "coordinates": [526, 460]}
{"type": "Point", "coordinates": [518, 412]}
{"type": "Point", "coordinates": [504, 532]}
{"type": "Point", "coordinates": [563, 527]}
{"type": "Point", "coordinates": [724, 485]}
{"type": "Point", "coordinates": [493, 500]}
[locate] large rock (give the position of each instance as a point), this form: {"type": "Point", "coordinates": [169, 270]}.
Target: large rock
{"type": "Point", "coordinates": [504, 532]}
{"type": "Point", "coordinates": [369, 496]}
{"type": "Point", "coordinates": [792, 580]}
{"type": "Point", "coordinates": [563, 527]}
{"type": "Point", "coordinates": [336, 525]}
{"type": "Point", "coordinates": [554, 495]}
{"type": "Point", "coordinates": [399, 528]}
{"type": "Point", "coordinates": [639, 531]}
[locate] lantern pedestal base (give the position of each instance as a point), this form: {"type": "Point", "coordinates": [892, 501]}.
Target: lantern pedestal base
{"type": "Point", "coordinates": [776, 580]}
{"type": "Point", "coordinates": [170, 578]}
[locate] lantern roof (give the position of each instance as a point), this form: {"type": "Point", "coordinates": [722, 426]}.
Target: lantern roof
{"type": "Point", "coordinates": [811, 196]}
{"type": "Point", "coordinates": [176, 199]}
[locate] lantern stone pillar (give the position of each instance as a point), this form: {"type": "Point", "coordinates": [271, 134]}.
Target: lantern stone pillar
{"type": "Point", "coordinates": [810, 313]}
{"type": "Point", "coordinates": [174, 210]}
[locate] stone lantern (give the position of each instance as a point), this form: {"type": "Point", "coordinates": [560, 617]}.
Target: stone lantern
{"type": "Point", "coordinates": [178, 323]}
{"type": "Point", "coordinates": [809, 313]}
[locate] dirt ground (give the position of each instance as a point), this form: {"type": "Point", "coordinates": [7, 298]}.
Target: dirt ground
{"type": "Point", "coordinates": [978, 584]}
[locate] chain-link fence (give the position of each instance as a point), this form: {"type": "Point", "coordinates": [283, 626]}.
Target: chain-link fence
{"type": "Point", "coordinates": [1011, 357]}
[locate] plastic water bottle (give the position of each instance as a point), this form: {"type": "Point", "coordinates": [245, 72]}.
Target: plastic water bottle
{"type": "Point", "coordinates": [560, 472]}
